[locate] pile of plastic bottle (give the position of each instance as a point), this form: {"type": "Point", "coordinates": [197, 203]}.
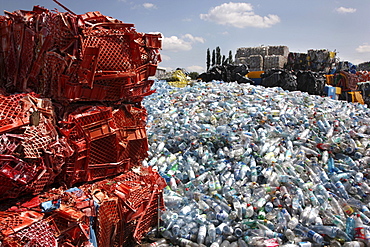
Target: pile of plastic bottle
{"type": "Point", "coordinates": [252, 166]}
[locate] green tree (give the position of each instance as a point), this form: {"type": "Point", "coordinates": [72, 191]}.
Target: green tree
{"type": "Point", "coordinates": [224, 60]}
{"type": "Point", "coordinates": [208, 59]}
{"type": "Point", "coordinates": [231, 57]}
{"type": "Point", "coordinates": [213, 57]}
{"type": "Point", "coordinates": [218, 55]}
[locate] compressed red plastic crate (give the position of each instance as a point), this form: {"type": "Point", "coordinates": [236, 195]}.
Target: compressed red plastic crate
{"type": "Point", "coordinates": [103, 65]}
{"type": "Point", "coordinates": [145, 207]}
{"type": "Point", "coordinates": [89, 57]}
{"type": "Point", "coordinates": [107, 142]}
{"type": "Point", "coordinates": [31, 154]}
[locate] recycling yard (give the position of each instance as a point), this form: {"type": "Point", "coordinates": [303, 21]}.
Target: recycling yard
{"type": "Point", "coordinates": [97, 149]}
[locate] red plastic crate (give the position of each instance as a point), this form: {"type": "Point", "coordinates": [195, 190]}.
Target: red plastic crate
{"type": "Point", "coordinates": [102, 171]}
{"type": "Point", "coordinates": [41, 233]}
{"type": "Point", "coordinates": [88, 115]}
{"type": "Point", "coordinates": [52, 70]}
{"type": "Point", "coordinates": [134, 93]}
{"type": "Point", "coordinates": [18, 171]}
{"type": "Point", "coordinates": [52, 61]}
{"type": "Point", "coordinates": [63, 29]}
{"type": "Point", "coordinates": [129, 116]}
{"type": "Point", "coordinates": [37, 139]}
{"type": "Point", "coordinates": [13, 112]}
{"type": "Point", "coordinates": [153, 40]}
{"type": "Point", "coordinates": [107, 219]}
{"type": "Point", "coordinates": [12, 222]}
{"type": "Point", "coordinates": [75, 168]}
{"type": "Point", "coordinates": [144, 71]}
{"type": "Point", "coordinates": [26, 57]}
{"type": "Point", "coordinates": [116, 42]}
{"type": "Point", "coordinates": [144, 208]}
{"type": "Point", "coordinates": [150, 216]}
{"type": "Point", "coordinates": [9, 143]}
{"type": "Point", "coordinates": [136, 150]}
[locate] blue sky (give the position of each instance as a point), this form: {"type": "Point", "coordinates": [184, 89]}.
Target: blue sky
{"type": "Point", "coordinates": [190, 27]}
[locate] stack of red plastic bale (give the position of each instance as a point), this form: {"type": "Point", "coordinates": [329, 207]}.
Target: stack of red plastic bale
{"type": "Point", "coordinates": [71, 115]}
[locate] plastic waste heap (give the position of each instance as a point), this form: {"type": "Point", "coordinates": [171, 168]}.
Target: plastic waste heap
{"type": "Point", "coordinates": [253, 166]}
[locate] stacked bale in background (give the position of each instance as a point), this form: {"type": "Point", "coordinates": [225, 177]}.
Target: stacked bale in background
{"type": "Point", "coordinates": [263, 57]}
{"type": "Point", "coordinates": [274, 61]}
{"type": "Point", "coordinates": [255, 62]}
{"type": "Point", "coordinates": [321, 60]}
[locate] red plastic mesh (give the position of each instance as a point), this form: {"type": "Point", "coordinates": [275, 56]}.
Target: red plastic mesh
{"type": "Point", "coordinates": [61, 30]}
{"type": "Point", "coordinates": [26, 57]}
{"type": "Point", "coordinates": [136, 150]}
{"type": "Point", "coordinates": [9, 143]}
{"type": "Point", "coordinates": [37, 139]}
{"type": "Point", "coordinates": [106, 222]}
{"type": "Point", "coordinates": [129, 116]}
{"type": "Point", "coordinates": [103, 171]}
{"type": "Point", "coordinates": [54, 65]}
{"type": "Point", "coordinates": [39, 234]}
{"type": "Point", "coordinates": [6, 185]}
{"type": "Point", "coordinates": [89, 115]}
{"type": "Point", "coordinates": [115, 53]}
{"type": "Point", "coordinates": [13, 112]}
{"type": "Point", "coordinates": [16, 170]}
{"type": "Point", "coordinates": [113, 88]}
{"type": "Point", "coordinates": [12, 222]}
{"type": "Point", "coordinates": [150, 216]}
{"type": "Point", "coordinates": [104, 150]}
{"type": "Point", "coordinates": [149, 183]}
{"type": "Point", "coordinates": [43, 180]}
{"type": "Point", "coordinates": [62, 224]}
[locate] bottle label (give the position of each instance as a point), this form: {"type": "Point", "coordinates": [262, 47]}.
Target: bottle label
{"type": "Point", "coordinates": [361, 233]}
{"type": "Point", "coordinates": [271, 243]}
{"type": "Point", "coordinates": [348, 210]}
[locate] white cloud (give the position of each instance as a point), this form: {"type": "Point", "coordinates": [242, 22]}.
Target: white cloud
{"type": "Point", "coordinates": [195, 68]}
{"type": "Point", "coordinates": [174, 43]}
{"type": "Point", "coordinates": [365, 48]}
{"type": "Point", "coordinates": [184, 43]}
{"type": "Point", "coordinates": [239, 15]}
{"type": "Point", "coordinates": [193, 39]}
{"type": "Point", "coordinates": [343, 10]}
{"type": "Point", "coordinates": [149, 6]}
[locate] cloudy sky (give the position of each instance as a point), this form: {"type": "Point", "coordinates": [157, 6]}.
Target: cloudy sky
{"type": "Point", "coordinates": [189, 27]}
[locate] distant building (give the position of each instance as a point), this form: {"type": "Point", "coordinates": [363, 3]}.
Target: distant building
{"type": "Point", "coordinates": [160, 73]}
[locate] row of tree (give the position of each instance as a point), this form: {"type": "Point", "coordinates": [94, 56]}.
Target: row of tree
{"type": "Point", "coordinates": [216, 58]}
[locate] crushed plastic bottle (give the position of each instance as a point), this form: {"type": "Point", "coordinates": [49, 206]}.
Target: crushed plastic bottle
{"type": "Point", "coordinates": [254, 166]}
